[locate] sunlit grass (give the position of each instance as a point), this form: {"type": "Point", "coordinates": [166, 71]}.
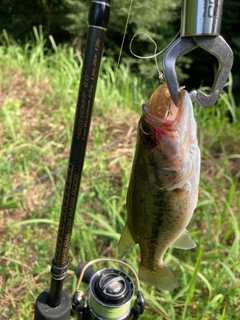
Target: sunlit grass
{"type": "Point", "coordinates": [38, 97]}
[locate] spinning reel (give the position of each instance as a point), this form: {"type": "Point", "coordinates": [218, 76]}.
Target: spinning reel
{"type": "Point", "coordinates": [108, 295]}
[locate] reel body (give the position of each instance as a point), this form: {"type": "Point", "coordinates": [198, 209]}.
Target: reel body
{"type": "Point", "coordinates": [108, 295]}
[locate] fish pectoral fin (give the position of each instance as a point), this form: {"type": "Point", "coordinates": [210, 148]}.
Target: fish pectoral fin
{"type": "Point", "coordinates": [184, 241]}
{"type": "Point", "coordinates": [161, 276]}
{"type": "Point", "coordinates": [126, 242]}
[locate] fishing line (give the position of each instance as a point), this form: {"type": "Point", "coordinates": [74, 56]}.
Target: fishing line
{"type": "Point", "coordinates": [124, 34]}
{"type": "Point", "coordinates": [116, 73]}
{"type": "Point", "coordinates": [160, 73]}
{"type": "Point", "coordinates": [107, 260]}
{"type": "Point", "coordinates": [95, 169]}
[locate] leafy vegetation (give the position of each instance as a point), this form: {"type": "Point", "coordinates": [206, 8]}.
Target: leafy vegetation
{"type": "Point", "coordinates": [38, 96]}
{"type": "Point", "coordinates": [66, 21]}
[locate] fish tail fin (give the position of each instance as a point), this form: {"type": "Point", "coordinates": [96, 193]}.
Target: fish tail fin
{"type": "Point", "coordinates": [126, 242]}
{"type": "Point", "coordinates": [161, 277]}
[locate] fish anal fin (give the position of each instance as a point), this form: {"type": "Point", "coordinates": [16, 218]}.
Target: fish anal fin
{"type": "Point", "coordinates": [126, 242]}
{"type": "Point", "coordinates": [161, 277]}
{"type": "Point", "coordinates": [184, 241]}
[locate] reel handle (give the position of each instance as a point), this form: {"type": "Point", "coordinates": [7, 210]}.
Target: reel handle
{"type": "Point", "coordinates": [87, 274]}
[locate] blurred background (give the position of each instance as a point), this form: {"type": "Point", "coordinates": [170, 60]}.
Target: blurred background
{"type": "Point", "coordinates": [66, 21]}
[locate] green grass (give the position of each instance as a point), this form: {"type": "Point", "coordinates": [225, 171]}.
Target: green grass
{"type": "Point", "coordinates": [38, 97]}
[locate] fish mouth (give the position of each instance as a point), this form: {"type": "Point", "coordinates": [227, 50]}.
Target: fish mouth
{"type": "Point", "coordinates": [168, 119]}
{"type": "Point", "coordinates": [154, 125]}
{"type": "Point", "coordinates": [169, 113]}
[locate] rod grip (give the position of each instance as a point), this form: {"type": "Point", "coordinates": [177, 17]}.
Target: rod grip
{"type": "Point", "coordinates": [44, 312]}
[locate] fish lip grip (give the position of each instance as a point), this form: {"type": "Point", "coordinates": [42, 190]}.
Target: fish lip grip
{"type": "Point", "coordinates": [200, 27]}
{"type": "Point", "coordinates": [218, 47]}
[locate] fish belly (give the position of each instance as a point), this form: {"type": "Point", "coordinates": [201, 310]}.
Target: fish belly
{"type": "Point", "coordinates": [156, 219]}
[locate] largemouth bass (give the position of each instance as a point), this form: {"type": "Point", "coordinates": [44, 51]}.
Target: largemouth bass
{"type": "Point", "coordinates": [163, 188]}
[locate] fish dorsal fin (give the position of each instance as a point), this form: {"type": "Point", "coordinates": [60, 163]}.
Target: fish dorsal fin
{"type": "Point", "coordinates": [184, 241]}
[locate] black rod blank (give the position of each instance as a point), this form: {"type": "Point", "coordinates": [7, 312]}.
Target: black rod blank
{"type": "Point", "coordinates": [98, 20]}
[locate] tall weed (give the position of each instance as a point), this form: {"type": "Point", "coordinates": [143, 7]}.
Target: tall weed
{"type": "Point", "coordinates": [36, 132]}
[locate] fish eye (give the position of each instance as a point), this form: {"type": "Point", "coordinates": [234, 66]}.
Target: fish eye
{"type": "Point", "coordinates": [147, 138]}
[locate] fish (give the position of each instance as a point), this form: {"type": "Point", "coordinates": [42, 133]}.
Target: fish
{"type": "Point", "coordinates": [163, 188]}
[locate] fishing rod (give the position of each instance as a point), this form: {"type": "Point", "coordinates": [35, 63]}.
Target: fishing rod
{"type": "Point", "coordinates": [110, 290]}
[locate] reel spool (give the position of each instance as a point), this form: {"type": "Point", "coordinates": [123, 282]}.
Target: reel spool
{"type": "Point", "coordinates": [111, 292]}
{"type": "Point", "coordinates": [108, 295]}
